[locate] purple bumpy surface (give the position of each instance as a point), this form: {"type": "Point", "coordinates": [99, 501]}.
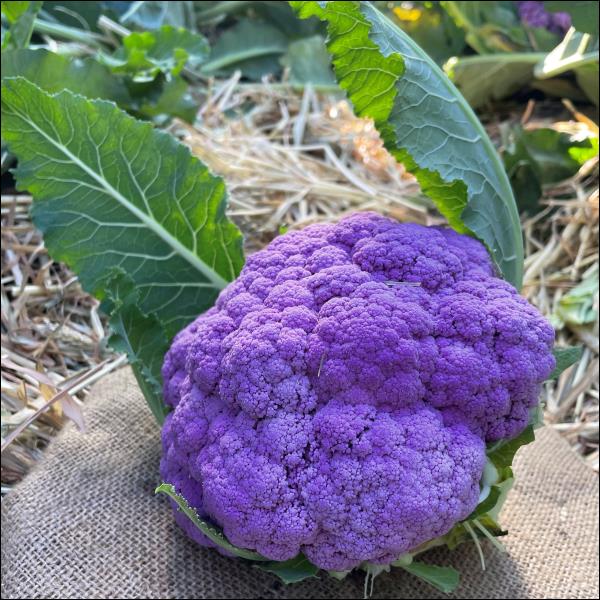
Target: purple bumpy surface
{"type": "Point", "coordinates": [338, 397]}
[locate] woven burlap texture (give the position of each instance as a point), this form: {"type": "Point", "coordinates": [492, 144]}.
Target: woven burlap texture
{"type": "Point", "coordinates": [86, 524]}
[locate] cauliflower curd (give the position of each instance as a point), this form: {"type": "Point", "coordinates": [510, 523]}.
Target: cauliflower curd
{"type": "Point", "coordinates": [338, 398]}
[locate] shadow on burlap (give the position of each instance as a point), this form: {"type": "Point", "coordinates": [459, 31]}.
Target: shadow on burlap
{"type": "Point", "coordinates": [86, 524]}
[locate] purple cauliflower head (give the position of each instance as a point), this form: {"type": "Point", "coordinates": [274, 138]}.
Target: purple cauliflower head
{"type": "Point", "coordinates": [338, 398]}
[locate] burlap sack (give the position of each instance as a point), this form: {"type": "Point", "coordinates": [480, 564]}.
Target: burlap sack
{"type": "Point", "coordinates": [86, 524]}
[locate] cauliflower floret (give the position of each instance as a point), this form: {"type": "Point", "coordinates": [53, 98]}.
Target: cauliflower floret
{"type": "Point", "coordinates": [337, 399]}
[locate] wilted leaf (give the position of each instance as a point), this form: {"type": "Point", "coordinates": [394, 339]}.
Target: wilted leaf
{"type": "Point", "coordinates": [425, 123]}
{"type": "Point", "coordinates": [72, 410]}
{"type": "Point", "coordinates": [110, 191]}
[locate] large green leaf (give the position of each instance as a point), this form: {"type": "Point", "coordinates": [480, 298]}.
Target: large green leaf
{"type": "Point", "coordinates": [55, 72]}
{"type": "Point", "coordinates": [159, 99]}
{"type": "Point", "coordinates": [113, 192]}
{"type": "Point", "coordinates": [486, 77]}
{"type": "Point", "coordinates": [584, 13]}
{"type": "Point", "coordinates": [253, 47]}
{"type": "Point", "coordinates": [425, 123]}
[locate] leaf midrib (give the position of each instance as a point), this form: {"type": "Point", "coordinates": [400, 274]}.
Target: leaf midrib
{"type": "Point", "coordinates": [151, 224]}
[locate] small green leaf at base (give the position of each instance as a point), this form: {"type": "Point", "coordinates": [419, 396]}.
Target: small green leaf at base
{"type": "Point", "coordinates": [444, 579]}
{"type": "Point", "coordinates": [339, 575]}
{"type": "Point", "coordinates": [487, 504]}
{"type": "Point", "coordinates": [503, 453]}
{"type": "Point", "coordinates": [503, 487]}
{"type": "Point", "coordinates": [565, 358]}
{"type": "Point", "coordinates": [459, 535]}
{"type": "Point", "coordinates": [212, 532]}
{"type": "Point", "coordinates": [290, 571]}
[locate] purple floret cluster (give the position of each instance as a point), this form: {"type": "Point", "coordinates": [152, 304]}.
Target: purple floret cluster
{"type": "Point", "coordinates": [534, 14]}
{"type": "Point", "coordinates": [338, 398]}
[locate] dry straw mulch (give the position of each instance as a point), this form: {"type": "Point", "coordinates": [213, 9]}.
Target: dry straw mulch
{"type": "Point", "coordinates": [289, 159]}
